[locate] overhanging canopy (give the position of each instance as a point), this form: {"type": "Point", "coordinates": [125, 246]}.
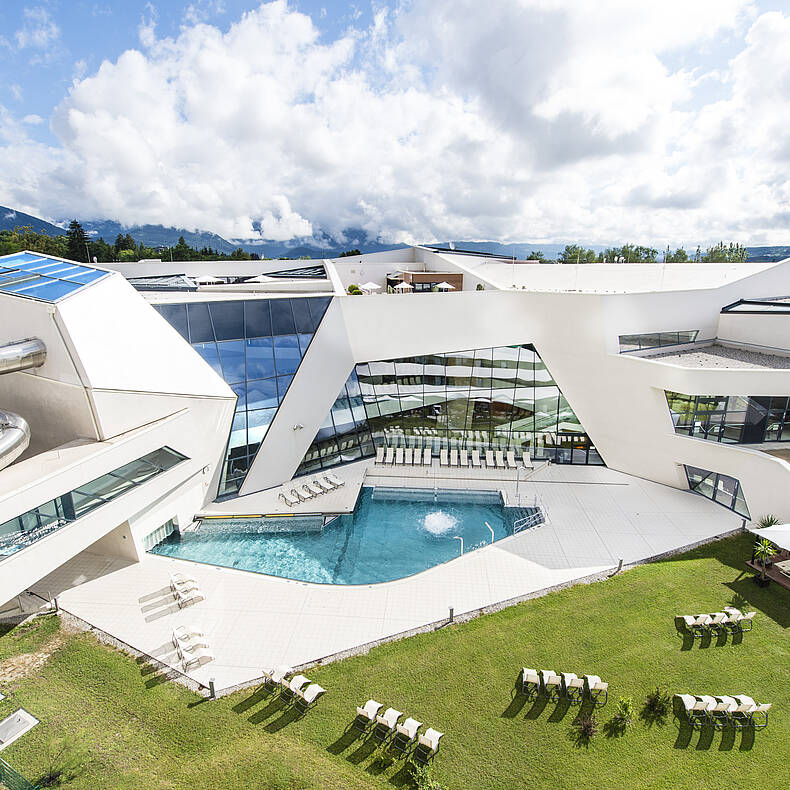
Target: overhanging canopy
{"type": "Point", "coordinates": [779, 535]}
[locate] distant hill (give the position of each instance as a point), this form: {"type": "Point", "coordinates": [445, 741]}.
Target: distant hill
{"type": "Point", "coordinates": [768, 253]}
{"type": "Point", "coordinates": [10, 219]}
{"type": "Point", "coordinates": [158, 235]}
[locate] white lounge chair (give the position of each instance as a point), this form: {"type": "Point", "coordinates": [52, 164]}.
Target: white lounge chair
{"type": "Point", "coordinates": [275, 675]}
{"type": "Point", "coordinates": [476, 458]}
{"type": "Point", "coordinates": [300, 495]}
{"type": "Point", "coordinates": [696, 709]}
{"type": "Point", "coordinates": [289, 500]}
{"type": "Point", "coordinates": [196, 657]}
{"type": "Point", "coordinates": [427, 746]}
{"type": "Point", "coordinates": [443, 457]}
{"type": "Point", "coordinates": [308, 698]}
{"type": "Point", "coordinates": [500, 459]}
{"type": "Point", "coordinates": [759, 716]}
{"type": "Point", "coordinates": [182, 581]}
{"type": "Point", "coordinates": [366, 715]}
{"type": "Point", "coordinates": [418, 456]}
{"type": "Point", "coordinates": [526, 460]}
{"type": "Point", "coordinates": [185, 597]}
{"type": "Point", "coordinates": [288, 688]}
{"type": "Point", "coordinates": [399, 456]}
{"type": "Point", "coordinates": [736, 622]}
{"type": "Point", "coordinates": [530, 682]}
{"type": "Point", "coordinates": [511, 459]}
{"type": "Point", "coordinates": [405, 734]}
{"type": "Point", "coordinates": [334, 480]}
{"type": "Point", "coordinates": [464, 456]}
{"type": "Point", "coordinates": [379, 455]}
{"type": "Point", "coordinates": [720, 714]}
{"type": "Point", "coordinates": [426, 456]}
{"type": "Point", "coordinates": [390, 456]}
{"type": "Point", "coordinates": [314, 489]}
{"type": "Point", "coordinates": [322, 484]}
{"type": "Point", "coordinates": [597, 690]}
{"type": "Point", "coordinates": [385, 725]}
{"type": "Point", "coordinates": [408, 456]}
{"type": "Point", "coordinates": [490, 459]}
{"type": "Point", "coordinates": [453, 457]}
{"type": "Point", "coordinates": [572, 687]}
{"type": "Point", "coordinates": [187, 637]}
{"type": "Point", "coordinates": [552, 683]}
{"type": "Point", "coordinates": [306, 493]}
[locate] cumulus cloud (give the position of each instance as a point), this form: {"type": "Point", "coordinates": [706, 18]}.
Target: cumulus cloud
{"type": "Point", "coordinates": [548, 120]}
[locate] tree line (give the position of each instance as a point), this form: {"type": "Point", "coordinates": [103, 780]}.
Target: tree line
{"type": "Point", "coordinates": [635, 253]}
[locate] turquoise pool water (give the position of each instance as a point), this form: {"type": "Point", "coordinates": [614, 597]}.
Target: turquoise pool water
{"type": "Point", "coordinates": [392, 533]}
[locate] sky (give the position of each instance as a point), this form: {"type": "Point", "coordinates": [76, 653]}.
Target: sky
{"type": "Point", "coordinates": [595, 121]}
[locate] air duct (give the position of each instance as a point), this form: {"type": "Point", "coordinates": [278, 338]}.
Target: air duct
{"type": "Point", "coordinates": [22, 355]}
{"type": "Point", "coordinates": [14, 437]}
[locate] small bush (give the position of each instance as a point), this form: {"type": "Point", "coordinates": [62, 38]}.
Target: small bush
{"type": "Point", "coordinates": [657, 705]}
{"type": "Point", "coordinates": [623, 717]}
{"type": "Point", "coordinates": [354, 289]}
{"type": "Point", "coordinates": [768, 520]}
{"type": "Point", "coordinates": [480, 287]}
{"type": "Point", "coordinates": [585, 728]}
{"type": "Point", "coordinates": [422, 779]}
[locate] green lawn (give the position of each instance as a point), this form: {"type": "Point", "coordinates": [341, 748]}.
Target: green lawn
{"type": "Point", "coordinates": [143, 733]}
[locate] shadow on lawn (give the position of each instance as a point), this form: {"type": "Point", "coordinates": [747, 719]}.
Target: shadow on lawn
{"type": "Point", "coordinates": [517, 702]}
{"type": "Point", "coordinates": [349, 736]}
{"type": "Point", "coordinates": [257, 696]}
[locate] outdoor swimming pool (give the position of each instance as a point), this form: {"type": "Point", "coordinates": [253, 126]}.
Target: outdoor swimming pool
{"type": "Point", "coordinates": [392, 533]}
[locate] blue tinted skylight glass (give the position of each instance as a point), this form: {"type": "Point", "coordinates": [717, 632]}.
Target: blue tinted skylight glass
{"type": "Point", "coordinates": [42, 277]}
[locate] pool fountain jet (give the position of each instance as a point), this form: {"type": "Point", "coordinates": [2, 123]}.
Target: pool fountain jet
{"type": "Point", "coordinates": [438, 522]}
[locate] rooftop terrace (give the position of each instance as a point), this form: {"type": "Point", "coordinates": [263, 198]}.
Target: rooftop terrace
{"type": "Point", "coordinates": [716, 356]}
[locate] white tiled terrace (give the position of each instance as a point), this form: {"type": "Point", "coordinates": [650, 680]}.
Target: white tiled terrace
{"type": "Point", "coordinates": [596, 516]}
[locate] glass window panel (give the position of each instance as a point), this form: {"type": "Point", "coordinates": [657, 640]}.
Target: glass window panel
{"type": "Point", "coordinates": [725, 490]}
{"type": "Point", "coordinates": [262, 394]}
{"type": "Point", "coordinates": [176, 316]}
{"type": "Point", "coordinates": [258, 423]}
{"type": "Point", "coordinates": [49, 513]}
{"type": "Point", "coordinates": [241, 396]}
{"type": "Point", "coordinates": [107, 486]}
{"type": "Point", "coordinates": [231, 355]}
{"type": "Point", "coordinates": [304, 342]}
{"type": "Point", "coordinates": [302, 318]}
{"type": "Point", "coordinates": [283, 382]}
{"type": "Point", "coordinates": [228, 319]}
{"type": "Point", "coordinates": [164, 458]}
{"type": "Point", "coordinates": [318, 306]}
{"type": "Point", "coordinates": [238, 431]}
{"type": "Point", "coordinates": [84, 503]}
{"type": "Point", "coordinates": [137, 471]}
{"type": "Point", "coordinates": [209, 352]}
{"type": "Point", "coordinates": [286, 354]}
{"type": "Point", "coordinates": [282, 317]}
{"type": "Point", "coordinates": [257, 320]}
{"type": "Point", "coordinates": [200, 329]}
{"type": "Point", "coordinates": [260, 358]}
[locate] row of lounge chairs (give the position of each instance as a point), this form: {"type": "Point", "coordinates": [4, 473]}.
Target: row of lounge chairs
{"type": "Point", "coordinates": [298, 690]}
{"type": "Point", "coordinates": [192, 647]}
{"type": "Point", "coordinates": [738, 711]}
{"type": "Point", "coordinates": [731, 620]}
{"type": "Point", "coordinates": [322, 484]}
{"type": "Point", "coordinates": [566, 685]}
{"type": "Point", "coordinates": [415, 456]}
{"type": "Point", "coordinates": [402, 737]}
{"type": "Point", "coordinates": [185, 589]}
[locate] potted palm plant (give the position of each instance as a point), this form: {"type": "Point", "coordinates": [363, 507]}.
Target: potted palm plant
{"type": "Point", "coordinates": [764, 551]}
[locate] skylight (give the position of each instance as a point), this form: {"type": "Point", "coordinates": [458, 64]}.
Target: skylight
{"type": "Point", "coordinates": [40, 277]}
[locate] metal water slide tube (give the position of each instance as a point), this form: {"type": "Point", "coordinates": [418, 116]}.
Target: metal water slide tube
{"type": "Point", "coordinates": [14, 430]}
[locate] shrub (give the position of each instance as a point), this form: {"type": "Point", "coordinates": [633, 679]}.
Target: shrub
{"type": "Point", "coordinates": [422, 779]}
{"type": "Point", "coordinates": [623, 717]}
{"type": "Point", "coordinates": [586, 728]}
{"type": "Point", "coordinates": [768, 520]}
{"type": "Point", "coordinates": [354, 289]}
{"type": "Point", "coordinates": [480, 287]}
{"type": "Point", "coordinates": [657, 705]}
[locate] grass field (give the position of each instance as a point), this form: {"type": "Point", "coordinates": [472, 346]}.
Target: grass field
{"type": "Point", "coordinates": [141, 732]}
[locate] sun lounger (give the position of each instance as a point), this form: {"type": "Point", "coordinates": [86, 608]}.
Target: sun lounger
{"type": "Point", "coordinates": [276, 675]}
{"type": "Point", "coordinates": [490, 459]}
{"type": "Point", "coordinates": [322, 484]}
{"type": "Point", "coordinates": [189, 596]}
{"type": "Point", "coordinates": [288, 688]}
{"type": "Point", "coordinates": [464, 456]}
{"type": "Point", "coordinates": [572, 687]}
{"type": "Point", "coordinates": [721, 712]}
{"type": "Point", "coordinates": [741, 715]}
{"type": "Point", "coordinates": [187, 637]}
{"type": "Point", "coordinates": [454, 457]}
{"type": "Point", "coordinates": [475, 457]}
{"type": "Point", "coordinates": [759, 716]}
{"type": "Point", "coordinates": [511, 459]}
{"type": "Point", "coordinates": [366, 715]}
{"type": "Point", "coordinates": [443, 457]}
{"type": "Point", "coordinates": [697, 624]}
{"type": "Point", "coordinates": [379, 455]}
{"type": "Point", "coordinates": [427, 746]}
{"type": "Point", "coordinates": [308, 698]}
{"type": "Point", "coordinates": [530, 683]}
{"type": "Point", "coordinates": [288, 499]}
{"type": "Point", "coordinates": [405, 735]}
{"type": "Point", "coordinates": [426, 456]}
{"type": "Point", "coordinates": [417, 456]}
{"type": "Point", "coordinates": [695, 709]}
{"type": "Point", "coordinates": [196, 657]}
{"type": "Point", "coordinates": [385, 725]}
{"type": "Point", "coordinates": [334, 480]}
{"type": "Point", "coordinates": [306, 492]}
{"type": "Point", "coordinates": [300, 495]}
{"type": "Point", "coordinates": [314, 489]}
{"type": "Point", "coordinates": [526, 460]}
{"type": "Point", "coordinates": [597, 690]}
{"type": "Point", "coordinates": [716, 624]}
{"type": "Point", "coordinates": [182, 581]}
{"type": "Point", "coordinates": [736, 622]}
{"type": "Point", "coordinates": [551, 682]}
{"type": "Point", "coordinates": [408, 456]}
{"type": "Point", "coordinates": [399, 456]}
{"type": "Point", "coordinates": [500, 459]}
{"type": "Point", "coordinates": [389, 457]}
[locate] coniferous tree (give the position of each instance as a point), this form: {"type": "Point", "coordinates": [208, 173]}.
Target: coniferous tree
{"type": "Point", "coordinates": [77, 242]}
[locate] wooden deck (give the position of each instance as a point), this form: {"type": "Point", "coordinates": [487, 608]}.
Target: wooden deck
{"type": "Point", "coordinates": [773, 573]}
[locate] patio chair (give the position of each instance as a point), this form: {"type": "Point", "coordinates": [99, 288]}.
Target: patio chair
{"type": "Point", "coordinates": [572, 687]}
{"type": "Point", "coordinates": [322, 484]}
{"type": "Point", "coordinates": [385, 725]}
{"type": "Point", "coordinates": [314, 489]}
{"type": "Point", "coordinates": [697, 624]}
{"type": "Point", "coordinates": [443, 457]}
{"type": "Point", "coordinates": [552, 684]}
{"type": "Point", "coordinates": [530, 683]}
{"type": "Point", "coordinates": [300, 495]}
{"type": "Point", "coordinates": [526, 460]}
{"type": "Point", "coordinates": [511, 459]}
{"type": "Point", "coordinates": [453, 457]}
{"type": "Point", "coordinates": [307, 493]}
{"type": "Point", "coordinates": [399, 456]}
{"type": "Point", "coordinates": [405, 735]}
{"type": "Point", "coordinates": [716, 624]}
{"type": "Point", "coordinates": [741, 715]}
{"type": "Point", "coordinates": [185, 597]}
{"type": "Point", "coordinates": [721, 714]}
{"type": "Point", "coordinates": [427, 456]}
{"type": "Point", "coordinates": [490, 459]}
{"type": "Point", "coordinates": [390, 456]}
{"type": "Point", "coordinates": [335, 480]}
{"type": "Point", "coordinates": [742, 620]}
{"type": "Point", "coordinates": [366, 715]}
{"type": "Point", "coordinates": [196, 657]}
{"type": "Point", "coordinates": [464, 455]}
{"type": "Point", "coordinates": [476, 458]}
{"type": "Point", "coordinates": [417, 454]}
{"type": "Point", "coordinates": [759, 716]}
{"type": "Point", "coordinates": [188, 637]}
{"type": "Point", "coordinates": [427, 746]}
{"type": "Point", "coordinates": [597, 690]}
{"type": "Point", "coordinates": [694, 709]}
{"type": "Point", "coordinates": [308, 698]}
{"type": "Point", "coordinates": [275, 676]}
{"type": "Point", "coordinates": [408, 456]}
{"type": "Point", "coordinates": [182, 581]}
{"type": "Point", "coordinates": [709, 704]}
{"type": "Point", "coordinates": [289, 500]}
{"type": "Point", "coordinates": [379, 455]}
{"type": "Point", "coordinates": [289, 688]}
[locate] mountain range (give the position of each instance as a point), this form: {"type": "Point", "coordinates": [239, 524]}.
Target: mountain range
{"type": "Point", "coordinates": [317, 246]}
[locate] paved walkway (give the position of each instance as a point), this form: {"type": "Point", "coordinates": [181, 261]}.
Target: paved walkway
{"type": "Point", "coordinates": [596, 517]}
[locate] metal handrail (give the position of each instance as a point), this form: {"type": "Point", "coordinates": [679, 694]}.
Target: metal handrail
{"type": "Point", "coordinates": [12, 779]}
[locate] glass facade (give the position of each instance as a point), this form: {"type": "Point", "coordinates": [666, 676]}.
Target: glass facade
{"type": "Point", "coordinates": [732, 419]}
{"type": "Point", "coordinates": [655, 340]}
{"type": "Point", "coordinates": [491, 398]}
{"type": "Point", "coordinates": [22, 531]}
{"type": "Point", "coordinates": [256, 346]}
{"type": "Point", "coordinates": [40, 277]}
{"type": "Point", "coordinates": [722, 489]}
